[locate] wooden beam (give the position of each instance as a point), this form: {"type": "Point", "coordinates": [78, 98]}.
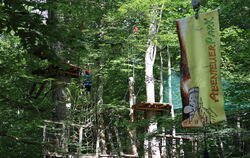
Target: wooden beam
{"type": "Point", "coordinates": [106, 155]}
{"type": "Point", "coordinates": [150, 106]}
{"type": "Point", "coordinates": [89, 125]}
{"type": "Point", "coordinates": [177, 137]}
{"type": "Point", "coordinates": [123, 155]}
{"type": "Point", "coordinates": [129, 155]}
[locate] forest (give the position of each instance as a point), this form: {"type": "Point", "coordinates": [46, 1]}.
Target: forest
{"type": "Point", "coordinates": [48, 46]}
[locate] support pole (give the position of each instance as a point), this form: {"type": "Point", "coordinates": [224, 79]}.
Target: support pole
{"type": "Point", "coordinates": [80, 140]}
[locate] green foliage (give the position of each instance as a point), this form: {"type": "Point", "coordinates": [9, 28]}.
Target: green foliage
{"type": "Point", "coordinates": [87, 31]}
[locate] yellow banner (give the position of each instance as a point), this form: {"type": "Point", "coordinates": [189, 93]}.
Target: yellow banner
{"type": "Point", "coordinates": [201, 90]}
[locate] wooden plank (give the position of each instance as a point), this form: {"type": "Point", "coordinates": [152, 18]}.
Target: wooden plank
{"type": "Point", "coordinates": [129, 155]}
{"type": "Point", "coordinates": [149, 106]}
{"type": "Point", "coordinates": [177, 137]}
{"type": "Point", "coordinates": [106, 155]}
{"type": "Point", "coordinates": [149, 109]}
{"type": "Point", "coordinates": [123, 155]}
{"type": "Point", "coordinates": [89, 125]}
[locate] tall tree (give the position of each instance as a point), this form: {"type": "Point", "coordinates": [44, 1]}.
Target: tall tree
{"type": "Point", "coordinates": [151, 146]}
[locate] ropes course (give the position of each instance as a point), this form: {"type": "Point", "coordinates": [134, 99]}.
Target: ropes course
{"type": "Point", "coordinates": [69, 138]}
{"type": "Point", "coordinates": [76, 135]}
{"type": "Point", "coordinates": [81, 134]}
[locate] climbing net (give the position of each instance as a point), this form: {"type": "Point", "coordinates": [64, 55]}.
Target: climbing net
{"type": "Point", "coordinates": [74, 136]}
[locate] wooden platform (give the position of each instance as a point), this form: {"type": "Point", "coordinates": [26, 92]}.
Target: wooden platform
{"type": "Point", "coordinates": [69, 70]}
{"type": "Point", "coordinates": [72, 71]}
{"type": "Point", "coordinates": [156, 106]}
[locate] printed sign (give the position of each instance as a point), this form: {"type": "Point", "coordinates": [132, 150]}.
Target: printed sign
{"type": "Point", "coordinates": [201, 90]}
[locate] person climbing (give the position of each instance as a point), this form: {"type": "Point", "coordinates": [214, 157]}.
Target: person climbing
{"type": "Point", "coordinates": [87, 81]}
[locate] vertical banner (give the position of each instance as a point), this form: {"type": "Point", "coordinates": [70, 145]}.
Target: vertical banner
{"type": "Point", "coordinates": [201, 90]}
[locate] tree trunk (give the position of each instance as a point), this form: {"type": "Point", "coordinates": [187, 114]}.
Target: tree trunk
{"type": "Point", "coordinates": [170, 83]}
{"type": "Point", "coordinates": [59, 93]}
{"type": "Point", "coordinates": [149, 62]}
{"type": "Point", "coordinates": [110, 140]}
{"type": "Point", "coordinates": [149, 77]}
{"type": "Point", "coordinates": [170, 101]}
{"type": "Point", "coordinates": [161, 79]}
{"type": "Point", "coordinates": [132, 101]}
{"type": "Point", "coordinates": [161, 62]}
{"type": "Point", "coordinates": [132, 98]}
{"type": "Point", "coordinates": [101, 147]}
{"type": "Point", "coordinates": [239, 134]}
{"type": "Point", "coordinates": [151, 146]}
{"type": "Point", "coordinates": [163, 139]}
{"type": "Point", "coordinates": [119, 143]}
{"type": "Point", "coordinates": [59, 97]}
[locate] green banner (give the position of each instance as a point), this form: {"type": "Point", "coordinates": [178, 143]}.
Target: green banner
{"type": "Point", "coordinates": [201, 90]}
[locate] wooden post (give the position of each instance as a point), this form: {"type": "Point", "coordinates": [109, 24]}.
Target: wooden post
{"type": "Point", "coordinates": [110, 139]}
{"type": "Point", "coordinates": [161, 79]}
{"type": "Point", "coordinates": [238, 133]}
{"type": "Point", "coordinates": [44, 134]}
{"type": "Point", "coordinates": [118, 140]}
{"type": "Point", "coordinates": [64, 138]}
{"type": "Point", "coordinates": [163, 139]}
{"type": "Point", "coordinates": [194, 146]}
{"type": "Point", "coordinates": [80, 140]}
{"type": "Point", "coordinates": [44, 140]}
{"type": "Point", "coordinates": [221, 145]}
{"type": "Point", "coordinates": [181, 148]}
{"type": "Point", "coordinates": [170, 101]}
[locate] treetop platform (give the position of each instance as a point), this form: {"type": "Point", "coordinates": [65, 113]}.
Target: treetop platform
{"type": "Point", "coordinates": [71, 71]}
{"type": "Point", "coordinates": [152, 106]}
